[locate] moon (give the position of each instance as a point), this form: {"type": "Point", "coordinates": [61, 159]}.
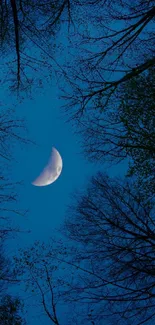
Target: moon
{"type": "Point", "coordinates": [51, 172]}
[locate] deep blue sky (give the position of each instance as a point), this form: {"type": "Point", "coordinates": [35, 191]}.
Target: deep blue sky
{"type": "Point", "coordinates": [47, 127]}
{"type": "Point", "coordinates": [47, 205]}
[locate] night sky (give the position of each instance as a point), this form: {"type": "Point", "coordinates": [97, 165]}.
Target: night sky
{"type": "Point", "coordinates": [47, 127]}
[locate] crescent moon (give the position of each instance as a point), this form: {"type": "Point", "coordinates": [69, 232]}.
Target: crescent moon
{"type": "Point", "coordinates": [51, 172]}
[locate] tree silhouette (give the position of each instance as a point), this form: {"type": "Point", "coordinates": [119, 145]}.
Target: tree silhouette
{"type": "Point", "coordinates": [10, 307]}
{"type": "Point", "coordinates": [10, 134]}
{"type": "Point", "coordinates": [28, 27]}
{"type": "Point", "coordinates": [113, 234]}
{"type": "Point", "coordinates": [126, 130]}
{"type": "Point", "coordinates": [10, 311]}
{"type": "Point", "coordinates": [39, 268]}
{"type": "Point", "coordinates": [117, 47]}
